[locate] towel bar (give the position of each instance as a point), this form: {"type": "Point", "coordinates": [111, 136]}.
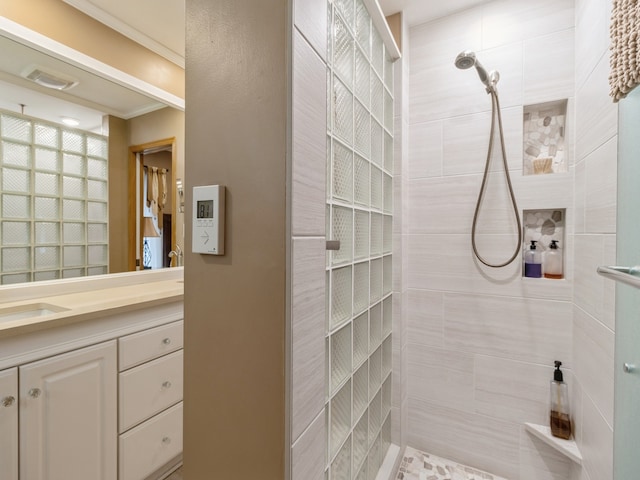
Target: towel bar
{"type": "Point", "coordinates": [628, 275]}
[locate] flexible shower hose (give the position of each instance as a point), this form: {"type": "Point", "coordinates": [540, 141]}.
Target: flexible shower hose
{"type": "Point", "coordinates": [495, 112]}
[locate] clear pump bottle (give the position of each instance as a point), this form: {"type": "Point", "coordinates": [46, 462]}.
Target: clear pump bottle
{"type": "Point", "coordinates": [560, 420]}
{"type": "Point", "coordinates": [532, 262]}
{"type": "Point", "coordinates": [553, 261]}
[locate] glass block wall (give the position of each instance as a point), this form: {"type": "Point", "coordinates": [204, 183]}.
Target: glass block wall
{"type": "Point", "coordinates": [359, 215]}
{"type": "Point", "coordinates": [53, 202]}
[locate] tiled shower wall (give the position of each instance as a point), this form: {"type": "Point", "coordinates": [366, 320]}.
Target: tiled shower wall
{"type": "Point", "coordinates": [481, 342]}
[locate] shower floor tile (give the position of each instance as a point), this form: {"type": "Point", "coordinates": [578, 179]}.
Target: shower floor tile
{"type": "Point", "coordinates": [417, 465]}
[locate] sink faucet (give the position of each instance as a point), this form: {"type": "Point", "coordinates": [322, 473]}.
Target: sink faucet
{"type": "Point", "coordinates": [178, 254]}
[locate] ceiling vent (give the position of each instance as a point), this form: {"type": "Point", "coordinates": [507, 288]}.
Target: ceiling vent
{"type": "Point", "coordinates": [46, 79]}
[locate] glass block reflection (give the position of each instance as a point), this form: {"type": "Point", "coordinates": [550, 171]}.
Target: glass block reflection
{"type": "Point", "coordinates": [360, 442]}
{"type": "Point", "coordinates": [50, 275]}
{"type": "Point", "coordinates": [74, 255]}
{"type": "Point", "coordinates": [73, 209]}
{"type": "Point", "coordinates": [375, 373]}
{"type": "Point", "coordinates": [73, 141]}
{"type": "Point", "coordinates": [47, 233]}
{"type": "Point", "coordinates": [47, 208]}
{"type": "Point", "coordinates": [97, 168]}
{"type": "Point", "coordinates": [388, 71]}
{"type": "Point", "coordinates": [387, 234]}
{"type": "Point", "coordinates": [373, 459]}
{"type": "Point", "coordinates": [362, 184]}
{"type": "Point", "coordinates": [97, 254]}
{"type": "Point", "coordinates": [387, 316]}
{"type": "Point", "coordinates": [375, 327]}
{"type": "Point", "coordinates": [376, 143]}
{"type": "Point", "coordinates": [16, 278]}
{"type": "Point", "coordinates": [363, 28]}
{"type": "Point", "coordinates": [17, 181]}
{"type": "Point", "coordinates": [46, 135]}
{"type": "Point", "coordinates": [15, 128]}
{"type": "Point", "coordinates": [342, 112]}
{"type": "Point", "coordinates": [46, 183]}
{"type": "Point", "coordinates": [341, 467]}
{"type": "Point", "coordinates": [376, 188]}
{"type": "Point", "coordinates": [16, 233]}
{"type": "Point", "coordinates": [387, 357]}
{"type": "Point", "coordinates": [377, 98]}
{"type": "Point", "coordinates": [97, 189]}
{"type": "Point", "coordinates": [16, 259]}
{"type": "Point", "coordinates": [375, 422]}
{"type": "Point", "coordinates": [361, 235]}
{"type": "Point", "coordinates": [360, 341]}
{"type": "Point", "coordinates": [376, 234]}
{"type": "Point", "coordinates": [73, 187]}
{"type": "Point", "coordinates": [375, 285]}
{"type": "Point", "coordinates": [387, 275]}
{"type": "Point", "coordinates": [97, 270]}
{"type": "Point", "coordinates": [47, 257]}
{"type": "Point", "coordinates": [340, 295]}
{"type": "Point", "coordinates": [386, 398]}
{"type": "Point", "coordinates": [73, 272]}
{"type": "Point", "coordinates": [73, 164]}
{"type": "Point", "coordinates": [97, 212]}
{"type": "Point", "coordinates": [362, 84]}
{"type": "Point", "coordinates": [16, 206]}
{"type": "Point", "coordinates": [97, 232]}
{"type": "Point", "coordinates": [343, 52]}
{"type": "Point", "coordinates": [16, 154]}
{"type": "Point", "coordinates": [340, 414]}
{"type": "Point", "coordinates": [388, 111]}
{"type": "Point", "coordinates": [46, 159]}
{"type": "Point", "coordinates": [388, 153]}
{"type": "Point", "coordinates": [73, 232]}
{"type": "Point", "coordinates": [377, 52]}
{"type": "Point", "coordinates": [340, 356]}
{"type": "Point", "coordinates": [97, 147]}
{"type": "Point", "coordinates": [362, 129]}
{"type": "Point", "coordinates": [346, 9]}
{"type": "Point", "coordinates": [360, 287]}
{"type": "Point", "coordinates": [342, 172]}
{"type": "Point", "coordinates": [342, 219]}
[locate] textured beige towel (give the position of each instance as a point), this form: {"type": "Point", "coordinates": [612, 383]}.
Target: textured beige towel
{"type": "Point", "coordinates": [625, 52]}
{"type": "Point", "coordinates": [152, 189]}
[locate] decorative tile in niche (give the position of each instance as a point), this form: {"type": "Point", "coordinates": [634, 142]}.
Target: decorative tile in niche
{"type": "Point", "coordinates": [544, 132]}
{"type": "Point", "coordinates": [544, 226]}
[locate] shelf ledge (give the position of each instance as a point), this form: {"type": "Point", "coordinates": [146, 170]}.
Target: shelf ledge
{"type": "Point", "coordinates": [569, 448]}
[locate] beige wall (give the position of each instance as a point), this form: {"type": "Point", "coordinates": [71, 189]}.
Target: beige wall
{"type": "Point", "coordinates": [65, 24]}
{"type": "Point", "coordinates": [234, 423]}
{"type": "Point", "coordinates": [118, 193]}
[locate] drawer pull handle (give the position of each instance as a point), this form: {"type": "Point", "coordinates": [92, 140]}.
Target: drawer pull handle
{"type": "Point", "coordinates": [167, 341]}
{"type": "Point", "coordinates": [166, 440]}
{"type": "Point", "coordinates": [35, 392]}
{"type": "Point", "coordinates": [8, 401]}
{"type": "Point", "coordinates": [166, 384]}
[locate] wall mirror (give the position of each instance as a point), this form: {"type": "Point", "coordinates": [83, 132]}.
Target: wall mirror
{"type": "Point", "coordinates": [57, 205]}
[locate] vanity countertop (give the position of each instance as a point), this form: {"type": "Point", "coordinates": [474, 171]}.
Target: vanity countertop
{"type": "Point", "coordinates": [58, 308]}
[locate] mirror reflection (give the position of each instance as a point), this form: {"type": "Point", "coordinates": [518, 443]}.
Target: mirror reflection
{"type": "Point", "coordinates": [88, 170]}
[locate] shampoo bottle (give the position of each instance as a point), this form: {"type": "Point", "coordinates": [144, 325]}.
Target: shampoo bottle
{"type": "Point", "coordinates": [560, 421]}
{"type": "Point", "coordinates": [553, 261]}
{"type": "Point", "coordinates": [532, 262]}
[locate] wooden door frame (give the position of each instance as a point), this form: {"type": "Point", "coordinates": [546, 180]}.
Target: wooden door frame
{"type": "Point", "coordinates": [135, 209]}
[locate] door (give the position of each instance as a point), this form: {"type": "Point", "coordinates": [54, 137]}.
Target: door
{"type": "Point", "coordinates": [68, 416]}
{"type": "Point", "coordinates": [627, 380]}
{"type": "Point", "coordinates": [9, 424]}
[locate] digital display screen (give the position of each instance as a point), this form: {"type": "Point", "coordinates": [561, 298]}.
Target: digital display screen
{"type": "Point", "coordinates": [205, 209]}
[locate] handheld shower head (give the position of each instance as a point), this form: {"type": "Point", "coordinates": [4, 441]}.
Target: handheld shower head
{"type": "Point", "coordinates": [467, 59]}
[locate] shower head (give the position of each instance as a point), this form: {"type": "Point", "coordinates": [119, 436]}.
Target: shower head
{"type": "Point", "coordinates": [467, 59]}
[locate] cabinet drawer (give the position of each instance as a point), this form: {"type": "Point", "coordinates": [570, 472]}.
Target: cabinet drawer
{"type": "Point", "coordinates": [9, 424]}
{"type": "Point", "coordinates": [149, 446]}
{"type": "Point", "coordinates": [144, 346]}
{"type": "Point", "coordinates": [150, 388]}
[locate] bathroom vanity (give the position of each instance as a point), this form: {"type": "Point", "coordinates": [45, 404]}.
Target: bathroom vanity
{"type": "Point", "coordinates": [91, 377]}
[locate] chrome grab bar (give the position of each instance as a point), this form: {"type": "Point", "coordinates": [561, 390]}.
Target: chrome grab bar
{"type": "Point", "coordinates": [628, 275]}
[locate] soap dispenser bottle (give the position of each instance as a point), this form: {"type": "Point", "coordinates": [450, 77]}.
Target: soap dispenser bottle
{"type": "Point", "coordinates": [560, 421]}
{"type": "Point", "coordinates": [553, 261]}
{"type": "Point", "coordinates": [532, 262]}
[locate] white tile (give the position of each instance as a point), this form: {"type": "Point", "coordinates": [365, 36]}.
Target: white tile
{"type": "Point", "coordinates": [596, 114]}
{"type": "Point", "coordinates": [425, 150]}
{"type": "Point", "coordinates": [593, 347]}
{"type": "Point", "coordinates": [580, 190]}
{"type": "Point", "coordinates": [308, 328]}
{"type": "Point", "coordinates": [608, 317]}
{"type": "Point", "coordinates": [475, 440]}
{"type": "Point", "coordinates": [549, 67]}
{"type": "Point", "coordinates": [538, 461]}
{"type": "Point", "coordinates": [309, 126]}
{"type": "Point", "coordinates": [466, 143]}
{"type": "Point", "coordinates": [601, 188]}
{"type": "Point", "coordinates": [588, 285]}
{"type": "Point", "coordinates": [425, 317]}
{"type": "Point", "coordinates": [446, 263]}
{"type": "Point", "coordinates": [592, 36]}
{"type": "Point", "coordinates": [576, 407]}
{"type": "Point", "coordinates": [597, 443]}
{"type": "Point", "coordinates": [440, 377]}
{"type": "Point", "coordinates": [308, 452]}
{"type": "Point", "coordinates": [310, 17]}
{"type": "Point", "coordinates": [510, 390]}
{"type": "Point", "coordinates": [507, 21]}
{"type": "Point", "coordinates": [532, 330]}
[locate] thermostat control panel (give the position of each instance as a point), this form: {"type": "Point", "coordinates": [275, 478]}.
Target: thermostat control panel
{"type": "Point", "coordinates": [208, 220]}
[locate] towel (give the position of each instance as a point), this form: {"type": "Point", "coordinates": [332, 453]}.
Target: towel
{"type": "Point", "coordinates": [625, 53]}
{"type": "Point", "coordinates": [152, 190]}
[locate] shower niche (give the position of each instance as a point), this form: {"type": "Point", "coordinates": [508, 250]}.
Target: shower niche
{"type": "Point", "coordinates": [544, 130]}
{"type": "Point", "coordinates": [547, 229]}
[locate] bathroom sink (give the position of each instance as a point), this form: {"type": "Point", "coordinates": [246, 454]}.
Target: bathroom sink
{"type": "Point", "coordinates": [28, 311]}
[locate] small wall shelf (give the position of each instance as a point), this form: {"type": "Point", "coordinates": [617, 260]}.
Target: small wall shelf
{"type": "Point", "coordinates": [568, 448]}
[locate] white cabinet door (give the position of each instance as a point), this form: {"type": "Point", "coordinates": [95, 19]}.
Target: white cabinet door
{"type": "Point", "coordinates": [9, 424]}
{"type": "Point", "coordinates": [68, 416]}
